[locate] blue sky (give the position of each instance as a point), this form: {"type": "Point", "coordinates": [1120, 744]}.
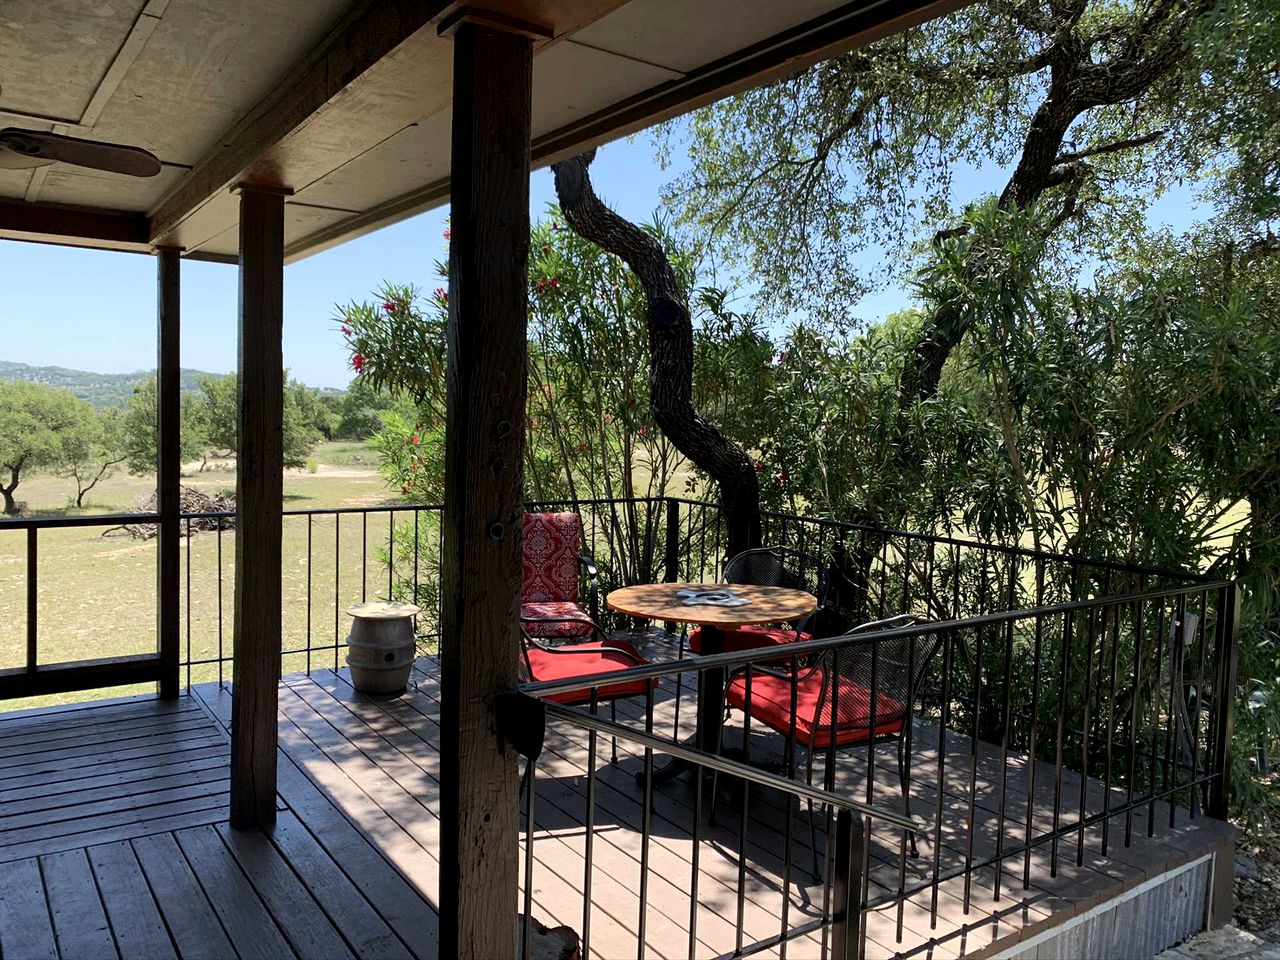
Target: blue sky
{"type": "Point", "coordinates": [95, 310]}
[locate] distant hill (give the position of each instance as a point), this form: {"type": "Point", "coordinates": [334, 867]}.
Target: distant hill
{"type": "Point", "coordinates": [100, 389]}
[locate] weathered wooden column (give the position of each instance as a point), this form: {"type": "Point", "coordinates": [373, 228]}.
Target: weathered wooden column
{"type": "Point", "coordinates": [168, 463]}
{"type": "Point", "coordinates": [259, 500]}
{"type": "Point", "coordinates": [483, 501]}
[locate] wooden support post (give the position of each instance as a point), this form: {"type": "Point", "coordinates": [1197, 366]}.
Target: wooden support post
{"type": "Point", "coordinates": [259, 500]}
{"type": "Point", "coordinates": [484, 453]}
{"type": "Point", "coordinates": [168, 464]}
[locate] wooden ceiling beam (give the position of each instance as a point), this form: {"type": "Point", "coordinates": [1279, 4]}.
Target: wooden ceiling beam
{"type": "Point", "coordinates": [61, 223]}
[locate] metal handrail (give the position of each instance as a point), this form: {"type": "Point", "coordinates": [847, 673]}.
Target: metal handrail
{"type": "Point", "coordinates": [733, 768]}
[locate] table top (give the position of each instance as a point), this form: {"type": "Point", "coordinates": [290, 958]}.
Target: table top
{"type": "Point", "coordinates": [658, 601]}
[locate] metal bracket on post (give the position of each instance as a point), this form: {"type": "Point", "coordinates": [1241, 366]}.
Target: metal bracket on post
{"type": "Point", "coordinates": [846, 894]}
{"type": "Point", "coordinates": [522, 721]}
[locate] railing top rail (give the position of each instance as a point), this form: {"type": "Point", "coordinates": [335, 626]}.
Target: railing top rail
{"type": "Point", "coordinates": [21, 523]}
{"type": "Point", "coordinates": [1027, 552]}
{"type": "Point", "coordinates": [733, 768]}
{"type": "Point", "coordinates": [800, 649]}
{"type": "Point", "coordinates": [86, 520]}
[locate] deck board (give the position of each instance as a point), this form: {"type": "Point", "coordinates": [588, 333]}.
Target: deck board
{"type": "Point", "coordinates": [79, 919]}
{"type": "Point", "coordinates": [131, 910]}
{"type": "Point", "coordinates": [114, 840]}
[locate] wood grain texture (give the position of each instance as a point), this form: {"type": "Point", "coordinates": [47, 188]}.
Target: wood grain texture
{"type": "Point", "coordinates": [169, 461]}
{"type": "Point", "coordinates": [483, 503]}
{"type": "Point", "coordinates": [259, 494]}
{"type": "Point", "coordinates": [79, 920]}
{"type": "Point", "coordinates": [659, 601]}
{"type": "Point", "coordinates": [25, 928]}
{"type": "Point", "coordinates": [135, 919]}
{"type": "Point", "coordinates": [192, 921]}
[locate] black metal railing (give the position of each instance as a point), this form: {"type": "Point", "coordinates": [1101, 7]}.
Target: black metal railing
{"type": "Point", "coordinates": [1124, 728]}
{"type": "Point", "coordinates": [36, 675]}
{"type": "Point", "coordinates": [1068, 705]}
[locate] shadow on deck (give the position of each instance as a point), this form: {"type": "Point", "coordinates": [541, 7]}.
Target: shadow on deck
{"type": "Point", "coordinates": [113, 842]}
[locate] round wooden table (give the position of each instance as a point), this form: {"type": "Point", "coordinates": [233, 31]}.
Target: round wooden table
{"type": "Point", "coordinates": [661, 601]}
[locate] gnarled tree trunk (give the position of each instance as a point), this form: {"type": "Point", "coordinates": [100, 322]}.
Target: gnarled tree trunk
{"type": "Point", "coordinates": [1077, 83]}
{"type": "Point", "coordinates": [670, 350]}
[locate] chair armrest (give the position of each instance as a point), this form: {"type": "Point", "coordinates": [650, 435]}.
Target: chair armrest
{"type": "Point", "coordinates": [604, 647]}
{"type": "Point", "coordinates": [803, 673]}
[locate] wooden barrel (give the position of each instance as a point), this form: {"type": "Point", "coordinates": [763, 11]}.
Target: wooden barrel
{"type": "Point", "coordinates": [380, 649]}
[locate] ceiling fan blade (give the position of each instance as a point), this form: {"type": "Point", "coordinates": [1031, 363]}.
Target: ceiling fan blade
{"type": "Point", "coordinates": [36, 145]}
{"type": "Point", "coordinates": [13, 160]}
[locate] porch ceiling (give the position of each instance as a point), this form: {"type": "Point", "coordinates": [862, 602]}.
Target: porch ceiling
{"type": "Point", "coordinates": [348, 104]}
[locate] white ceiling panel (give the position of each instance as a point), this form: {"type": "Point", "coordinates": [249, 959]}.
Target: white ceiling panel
{"type": "Point", "coordinates": [683, 35]}
{"type": "Point", "coordinates": [111, 191]}
{"type": "Point", "coordinates": [571, 81]}
{"type": "Point", "coordinates": [53, 53]}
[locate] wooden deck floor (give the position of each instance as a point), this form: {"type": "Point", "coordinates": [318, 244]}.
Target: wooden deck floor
{"type": "Point", "coordinates": [113, 840]}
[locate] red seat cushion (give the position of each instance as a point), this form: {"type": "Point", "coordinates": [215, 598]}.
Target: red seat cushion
{"type": "Point", "coordinates": [550, 557]}
{"type": "Point", "coordinates": [771, 705]}
{"type": "Point", "coordinates": [574, 622]}
{"type": "Point", "coordinates": [583, 660]}
{"type": "Point", "coordinates": [737, 639]}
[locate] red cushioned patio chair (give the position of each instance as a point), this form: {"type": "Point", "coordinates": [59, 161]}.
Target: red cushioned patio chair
{"type": "Point", "coordinates": [541, 661]}
{"type": "Point", "coordinates": [832, 698]}
{"type": "Point", "coordinates": [553, 567]}
{"type": "Point", "coordinates": [770, 567]}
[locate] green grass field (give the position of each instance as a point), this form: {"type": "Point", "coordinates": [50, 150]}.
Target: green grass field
{"type": "Point", "coordinates": [97, 594]}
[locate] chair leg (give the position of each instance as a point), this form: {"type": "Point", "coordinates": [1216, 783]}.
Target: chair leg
{"type": "Point", "coordinates": [813, 830]}
{"type": "Point", "coordinates": [905, 780]}
{"type": "Point", "coordinates": [675, 733]}
{"type": "Point", "coordinates": [715, 774]}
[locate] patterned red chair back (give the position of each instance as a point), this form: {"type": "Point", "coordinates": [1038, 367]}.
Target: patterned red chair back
{"type": "Point", "coordinates": [550, 557]}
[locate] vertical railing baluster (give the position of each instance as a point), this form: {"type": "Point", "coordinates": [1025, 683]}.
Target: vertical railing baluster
{"type": "Point", "coordinates": [1224, 691]}
{"type": "Point", "coordinates": [744, 815]}
{"type": "Point", "coordinates": [337, 585]}
{"type": "Point", "coordinates": [1131, 768]}
{"type": "Point", "coordinates": [1033, 726]}
{"type": "Point", "coordinates": [1155, 719]}
{"type": "Point", "coordinates": [1195, 718]}
{"type": "Point", "coordinates": [1091, 620]}
{"type": "Point", "coordinates": [592, 738]}
{"type": "Point", "coordinates": [526, 921]}
{"type": "Point", "coordinates": [698, 787]}
{"type": "Point", "coordinates": [221, 654]}
{"type": "Point", "coordinates": [1064, 675]}
{"type": "Point", "coordinates": [948, 642]}
{"type": "Point", "coordinates": [1006, 723]}
{"type": "Point", "coordinates": [1116, 610]}
{"type": "Point", "coordinates": [391, 554]}
{"type": "Point", "coordinates": [188, 572]}
{"type": "Point", "coordinates": [646, 823]}
{"type": "Point", "coordinates": [1177, 649]}
{"type": "Point", "coordinates": [309, 562]}
{"type": "Point", "coordinates": [33, 588]}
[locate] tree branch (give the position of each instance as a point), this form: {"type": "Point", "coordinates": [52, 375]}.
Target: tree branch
{"type": "Point", "coordinates": [1113, 147]}
{"type": "Point", "coordinates": [670, 349]}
